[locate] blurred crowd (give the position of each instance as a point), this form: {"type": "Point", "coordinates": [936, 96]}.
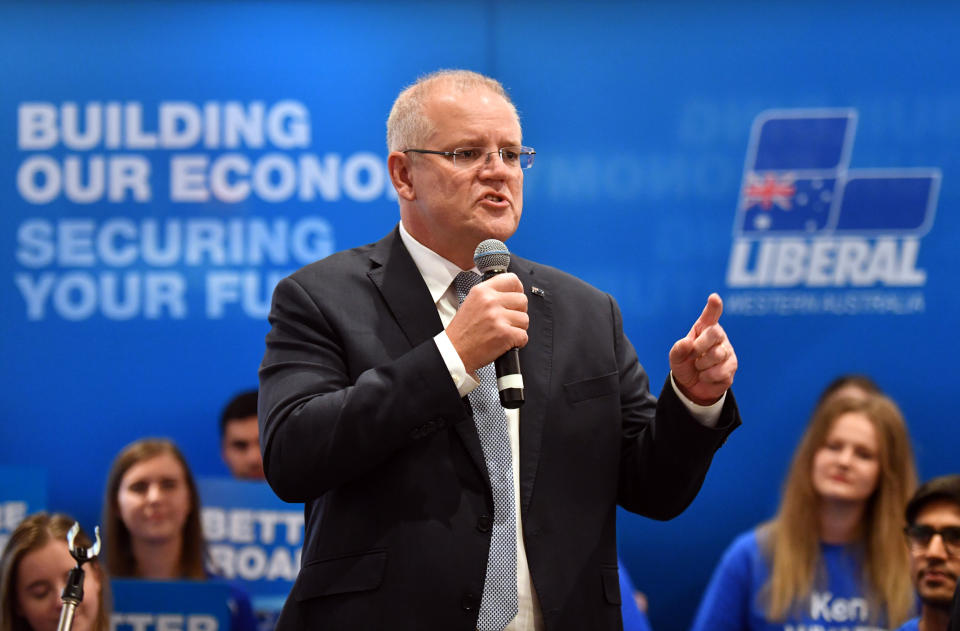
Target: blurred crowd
{"type": "Point", "coordinates": [854, 544]}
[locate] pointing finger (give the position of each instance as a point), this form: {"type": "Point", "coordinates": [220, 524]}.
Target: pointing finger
{"type": "Point", "coordinates": [710, 315]}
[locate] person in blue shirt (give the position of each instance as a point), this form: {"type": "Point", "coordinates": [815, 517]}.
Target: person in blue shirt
{"type": "Point", "coordinates": [634, 617]}
{"type": "Point", "coordinates": [151, 516]}
{"type": "Point", "coordinates": [933, 536]}
{"type": "Point", "coordinates": [832, 558]}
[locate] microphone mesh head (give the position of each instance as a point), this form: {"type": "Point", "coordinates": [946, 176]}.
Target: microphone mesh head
{"type": "Point", "coordinates": [491, 255]}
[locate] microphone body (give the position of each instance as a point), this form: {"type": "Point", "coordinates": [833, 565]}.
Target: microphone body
{"type": "Point", "coordinates": [492, 258]}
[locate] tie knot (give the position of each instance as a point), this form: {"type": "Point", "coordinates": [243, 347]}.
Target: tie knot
{"type": "Point", "coordinates": [464, 282]}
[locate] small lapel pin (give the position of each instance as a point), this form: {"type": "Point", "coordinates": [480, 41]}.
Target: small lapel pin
{"type": "Point", "coordinates": [536, 291]}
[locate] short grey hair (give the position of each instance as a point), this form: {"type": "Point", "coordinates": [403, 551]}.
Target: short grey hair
{"type": "Point", "coordinates": [408, 126]}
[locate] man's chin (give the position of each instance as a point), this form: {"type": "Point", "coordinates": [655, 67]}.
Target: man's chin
{"type": "Point", "coordinates": [938, 601]}
{"type": "Point", "coordinates": [500, 231]}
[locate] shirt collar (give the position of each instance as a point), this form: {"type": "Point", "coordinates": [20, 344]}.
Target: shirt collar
{"type": "Point", "coordinates": [438, 273]}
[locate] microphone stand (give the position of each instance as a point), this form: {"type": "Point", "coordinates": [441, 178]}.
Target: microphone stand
{"type": "Point", "coordinates": [72, 594]}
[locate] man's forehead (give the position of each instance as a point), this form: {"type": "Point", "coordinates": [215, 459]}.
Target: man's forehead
{"type": "Point", "coordinates": [242, 424]}
{"type": "Point", "coordinates": [447, 98]}
{"type": "Point", "coordinates": [939, 510]}
{"type": "Point", "coordinates": [449, 93]}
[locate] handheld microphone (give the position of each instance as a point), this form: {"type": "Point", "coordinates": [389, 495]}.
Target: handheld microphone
{"type": "Point", "coordinates": [492, 258]}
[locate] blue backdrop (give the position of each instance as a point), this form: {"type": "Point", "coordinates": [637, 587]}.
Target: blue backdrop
{"type": "Point", "coordinates": [162, 164]}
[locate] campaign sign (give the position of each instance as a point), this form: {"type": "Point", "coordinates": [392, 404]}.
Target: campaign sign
{"type": "Point", "coordinates": [140, 605]}
{"type": "Point", "coordinates": [163, 209]}
{"type": "Point", "coordinates": [806, 221]}
{"type": "Point", "coordinates": [253, 538]}
{"type": "Point", "coordinates": [23, 491]}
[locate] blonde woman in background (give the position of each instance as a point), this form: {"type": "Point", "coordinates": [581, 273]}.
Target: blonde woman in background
{"type": "Point", "coordinates": [33, 573]}
{"type": "Point", "coordinates": [833, 556]}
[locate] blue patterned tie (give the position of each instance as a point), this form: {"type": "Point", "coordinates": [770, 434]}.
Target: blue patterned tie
{"type": "Point", "coordinates": [499, 603]}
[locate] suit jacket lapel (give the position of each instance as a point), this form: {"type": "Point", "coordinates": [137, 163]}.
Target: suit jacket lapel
{"type": "Point", "coordinates": [395, 274]}
{"type": "Point", "coordinates": [535, 363]}
{"type": "Point", "coordinates": [408, 299]}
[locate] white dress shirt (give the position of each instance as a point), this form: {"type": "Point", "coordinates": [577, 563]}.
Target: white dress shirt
{"type": "Point", "coordinates": [438, 274]}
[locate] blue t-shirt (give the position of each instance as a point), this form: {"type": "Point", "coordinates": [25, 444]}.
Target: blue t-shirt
{"type": "Point", "coordinates": [633, 618]}
{"type": "Point", "coordinates": [731, 602]}
{"type": "Point", "coordinates": [242, 617]}
{"type": "Point", "coordinates": [911, 625]}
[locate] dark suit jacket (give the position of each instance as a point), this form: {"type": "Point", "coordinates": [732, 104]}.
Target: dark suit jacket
{"type": "Point", "coordinates": [361, 420]}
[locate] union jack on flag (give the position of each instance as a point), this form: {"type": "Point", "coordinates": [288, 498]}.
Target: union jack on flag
{"type": "Point", "coordinates": [797, 181]}
{"type": "Point", "coordinates": [769, 190]}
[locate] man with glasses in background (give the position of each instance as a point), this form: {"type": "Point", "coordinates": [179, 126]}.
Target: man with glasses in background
{"type": "Point", "coordinates": [428, 504]}
{"type": "Point", "coordinates": [933, 536]}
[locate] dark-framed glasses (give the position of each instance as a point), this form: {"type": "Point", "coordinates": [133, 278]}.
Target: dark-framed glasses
{"type": "Point", "coordinates": [919, 537]}
{"type": "Point", "coordinates": [466, 157]}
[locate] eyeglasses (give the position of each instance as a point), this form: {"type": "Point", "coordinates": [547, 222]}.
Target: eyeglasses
{"type": "Point", "coordinates": [919, 537]}
{"type": "Point", "coordinates": [466, 157]}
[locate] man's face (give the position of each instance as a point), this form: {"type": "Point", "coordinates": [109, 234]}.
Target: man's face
{"type": "Point", "coordinates": [455, 208]}
{"type": "Point", "coordinates": [933, 567]}
{"type": "Point", "coordinates": [241, 448]}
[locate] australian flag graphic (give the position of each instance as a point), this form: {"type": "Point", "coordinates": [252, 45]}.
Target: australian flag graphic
{"type": "Point", "coordinates": [797, 181]}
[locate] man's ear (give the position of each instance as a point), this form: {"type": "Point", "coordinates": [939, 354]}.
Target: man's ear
{"type": "Point", "coordinates": [398, 164]}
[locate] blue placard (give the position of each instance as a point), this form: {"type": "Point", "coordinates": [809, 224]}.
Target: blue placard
{"type": "Point", "coordinates": [169, 605]}
{"type": "Point", "coordinates": [253, 538]}
{"type": "Point", "coordinates": [23, 491]}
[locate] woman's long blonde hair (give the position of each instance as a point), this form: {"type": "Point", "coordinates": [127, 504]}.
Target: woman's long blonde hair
{"type": "Point", "coordinates": [792, 539]}
{"type": "Point", "coordinates": [31, 534]}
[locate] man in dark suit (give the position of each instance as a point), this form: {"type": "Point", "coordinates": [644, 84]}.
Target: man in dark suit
{"type": "Point", "coordinates": [369, 410]}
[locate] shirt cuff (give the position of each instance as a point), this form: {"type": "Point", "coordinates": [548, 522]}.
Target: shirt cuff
{"type": "Point", "coordinates": [707, 415]}
{"type": "Point", "coordinates": [464, 382]}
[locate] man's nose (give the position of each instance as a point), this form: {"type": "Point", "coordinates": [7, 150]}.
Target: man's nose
{"type": "Point", "coordinates": [936, 548]}
{"type": "Point", "coordinates": [493, 162]}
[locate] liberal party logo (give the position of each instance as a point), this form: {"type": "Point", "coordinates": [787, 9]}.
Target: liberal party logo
{"type": "Point", "coordinates": [807, 220]}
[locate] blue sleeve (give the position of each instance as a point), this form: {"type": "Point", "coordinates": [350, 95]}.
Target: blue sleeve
{"type": "Point", "coordinates": [241, 611]}
{"type": "Point", "coordinates": [726, 603]}
{"type": "Point", "coordinates": [633, 618]}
